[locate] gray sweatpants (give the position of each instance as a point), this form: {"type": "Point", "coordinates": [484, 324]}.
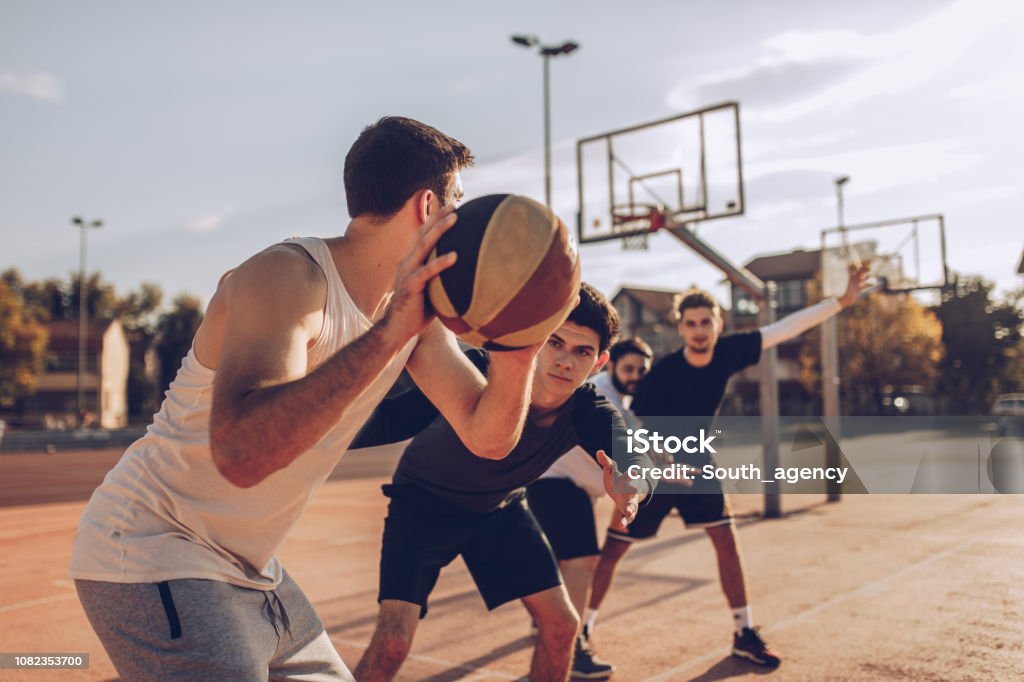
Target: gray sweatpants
{"type": "Point", "coordinates": [210, 630]}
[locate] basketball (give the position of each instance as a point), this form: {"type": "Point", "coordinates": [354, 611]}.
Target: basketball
{"type": "Point", "coordinates": [517, 276]}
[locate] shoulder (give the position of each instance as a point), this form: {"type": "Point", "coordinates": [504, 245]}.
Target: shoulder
{"type": "Point", "coordinates": [601, 382]}
{"type": "Point", "coordinates": [285, 267]}
{"type": "Point", "coordinates": [739, 341]}
{"type": "Point", "coordinates": [739, 351]}
{"type": "Point", "coordinates": [279, 287]}
{"type": "Point", "coordinates": [588, 403]}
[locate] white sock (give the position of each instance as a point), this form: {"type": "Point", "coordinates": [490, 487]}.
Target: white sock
{"type": "Point", "coordinates": [742, 618]}
{"type": "Point", "coordinates": [589, 619]}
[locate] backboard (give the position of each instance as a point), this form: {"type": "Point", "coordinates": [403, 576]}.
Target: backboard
{"type": "Point", "coordinates": [905, 254]}
{"type": "Point", "coordinates": [667, 173]}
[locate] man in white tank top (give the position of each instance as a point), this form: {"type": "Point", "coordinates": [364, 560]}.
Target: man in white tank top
{"type": "Point", "coordinates": [174, 558]}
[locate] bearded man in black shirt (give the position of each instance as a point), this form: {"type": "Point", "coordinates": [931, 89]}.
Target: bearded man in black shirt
{"type": "Point", "coordinates": [690, 382]}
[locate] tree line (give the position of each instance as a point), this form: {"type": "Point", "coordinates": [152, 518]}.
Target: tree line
{"type": "Point", "coordinates": [960, 353]}
{"type": "Point", "coordinates": [27, 306]}
{"type": "Point", "coordinates": [963, 352]}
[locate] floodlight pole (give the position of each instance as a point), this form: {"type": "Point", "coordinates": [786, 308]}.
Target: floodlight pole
{"type": "Point", "coordinates": [840, 182]}
{"type": "Point", "coordinates": [546, 52]}
{"type": "Point", "coordinates": [83, 311]}
{"type": "Point", "coordinates": [546, 58]}
{"type": "Point", "coordinates": [830, 361]}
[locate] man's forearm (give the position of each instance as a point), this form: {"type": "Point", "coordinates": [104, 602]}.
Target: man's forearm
{"type": "Point", "coordinates": [267, 427]}
{"type": "Point", "coordinates": [494, 427]}
{"type": "Point", "coordinates": [797, 323]}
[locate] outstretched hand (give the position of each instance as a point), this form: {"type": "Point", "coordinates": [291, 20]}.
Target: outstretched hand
{"type": "Point", "coordinates": [624, 491]}
{"type": "Point", "coordinates": [857, 283]}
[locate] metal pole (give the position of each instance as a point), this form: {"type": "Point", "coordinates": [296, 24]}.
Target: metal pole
{"type": "Point", "coordinates": [769, 393]}
{"type": "Point", "coordinates": [547, 130]}
{"type": "Point", "coordinates": [830, 366]}
{"type": "Point", "coordinates": [82, 324]}
{"type": "Point", "coordinates": [839, 203]}
{"type": "Point", "coordinates": [83, 310]}
{"type": "Point", "coordinates": [546, 52]}
{"type": "Point", "coordinates": [736, 274]}
{"type": "Point", "coordinates": [830, 395]}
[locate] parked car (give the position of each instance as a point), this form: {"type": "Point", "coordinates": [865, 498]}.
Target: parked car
{"type": "Point", "coordinates": [1009, 412]}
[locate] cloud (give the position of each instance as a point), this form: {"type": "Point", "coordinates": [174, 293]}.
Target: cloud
{"type": "Point", "coordinates": [211, 220]}
{"type": "Point", "coordinates": [873, 65]}
{"type": "Point", "coordinates": [773, 83]}
{"type": "Point", "coordinates": [880, 168]}
{"type": "Point", "coordinates": [999, 87]}
{"type": "Point", "coordinates": [770, 211]}
{"type": "Point", "coordinates": [44, 86]}
{"type": "Point", "coordinates": [984, 195]}
{"type": "Point", "coordinates": [772, 147]}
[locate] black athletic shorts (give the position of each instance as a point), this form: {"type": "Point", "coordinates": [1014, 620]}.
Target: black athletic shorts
{"type": "Point", "coordinates": [565, 513]}
{"type": "Point", "coordinates": [703, 506]}
{"type": "Point", "coordinates": [504, 550]}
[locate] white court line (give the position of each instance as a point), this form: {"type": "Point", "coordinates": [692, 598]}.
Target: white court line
{"type": "Point", "coordinates": [37, 602]}
{"type": "Point", "coordinates": [441, 662]}
{"type": "Point", "coordinates": [863, 590]}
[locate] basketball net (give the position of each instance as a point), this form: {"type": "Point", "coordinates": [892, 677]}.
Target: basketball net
{"type": "Point", "coordinates": [636, 242]}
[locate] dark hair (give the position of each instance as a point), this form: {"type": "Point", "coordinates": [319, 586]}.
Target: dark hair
{"type": "Point", "coordinates": [633, 346]}
{"type": "Point", "coordinates": [595, 312]}
{"type": "Point", "coordinates": [396, 157]}
{"type": "Point", "coordinates": [696, 298]}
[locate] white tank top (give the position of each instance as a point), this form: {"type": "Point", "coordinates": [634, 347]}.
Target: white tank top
{"type": "Point", "coordinates": [165, 512]}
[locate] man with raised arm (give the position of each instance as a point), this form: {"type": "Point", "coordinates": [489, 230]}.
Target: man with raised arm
{"type": "Point", "coordinates": [690, 382]}
{"type": "Point", "coordinates": [174, 559]}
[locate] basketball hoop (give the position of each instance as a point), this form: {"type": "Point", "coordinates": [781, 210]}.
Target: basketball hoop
{"type": "Point", "coordinates": [638, 217]}
{"type": "Point", "coordinates": [636, 222]}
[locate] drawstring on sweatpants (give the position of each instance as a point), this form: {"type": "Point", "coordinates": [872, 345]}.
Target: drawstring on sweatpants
{"type": "Point", "coordinates": [280, 613]}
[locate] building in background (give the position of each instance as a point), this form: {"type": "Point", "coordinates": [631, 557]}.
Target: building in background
{"type": "Point", "coordinates": [648, 313]}
{"type": "Point", "coordinates": [55, 403]}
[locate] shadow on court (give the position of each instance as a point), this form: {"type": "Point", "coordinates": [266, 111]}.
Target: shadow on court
{"type": "Point", "coordinates": [472, 666]}
{"type": "Point", "coordinates": [730, 667]}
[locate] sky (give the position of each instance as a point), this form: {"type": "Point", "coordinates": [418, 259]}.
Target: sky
{"type": "Point", "coordinates": [203, 132]}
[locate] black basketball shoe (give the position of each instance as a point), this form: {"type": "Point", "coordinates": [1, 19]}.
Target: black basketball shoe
{"type": "Point", "coordinates": [586, 665]}
{"type": "Point", "coordinates": [750, 646]}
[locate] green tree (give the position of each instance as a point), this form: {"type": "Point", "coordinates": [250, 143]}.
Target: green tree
{"type": "Point", "coordinates": [886, 343]}
{"type": "Point", "coordinates": [138, 310]}
{"type": "Point", "coordinates": [983, 345]}
{"type": "Point", "coordinates": [55, 299]}
{"type": "Point", "coordinates": [175, 331]}
{"type": "Point", "coordinates": [22, 345]}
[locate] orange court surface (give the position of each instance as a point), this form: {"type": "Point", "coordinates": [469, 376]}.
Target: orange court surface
{"type": "Point", "coordinates": [901, 587]}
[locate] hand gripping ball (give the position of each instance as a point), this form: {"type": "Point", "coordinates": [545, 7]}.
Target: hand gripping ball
{"type": "Point", "coordinates": [517, 276]}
